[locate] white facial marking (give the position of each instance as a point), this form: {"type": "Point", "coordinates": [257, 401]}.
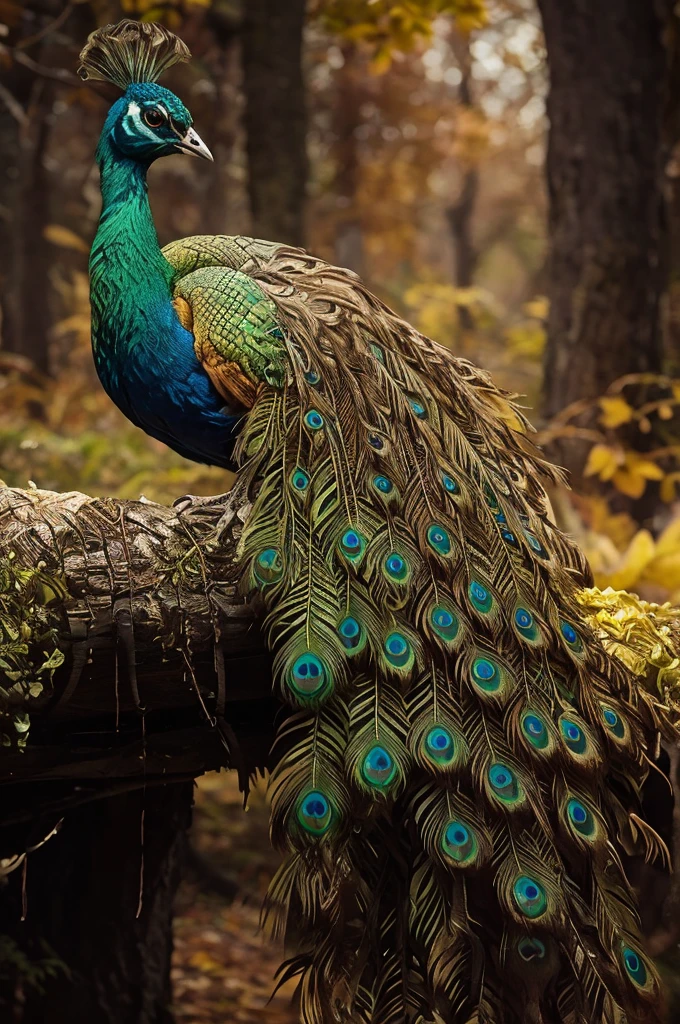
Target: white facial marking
{"type": "Point", "coordinates": [134, 112]}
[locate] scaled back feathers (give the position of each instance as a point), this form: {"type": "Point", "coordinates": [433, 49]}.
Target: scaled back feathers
{"type": "Point", "coordinates": [129, 52]}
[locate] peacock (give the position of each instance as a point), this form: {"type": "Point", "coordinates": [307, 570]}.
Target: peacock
{"type": "Point", "coordinates": [458, 771]}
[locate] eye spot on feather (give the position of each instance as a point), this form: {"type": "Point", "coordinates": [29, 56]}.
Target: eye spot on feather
{"type": "Point", "coordinates": [480, 597]}
{"type": "Point", "coordinates": [485, 675]}
{"type": "Point", "coordinates": [573, 736]}
{"type": "Point", "coordinates": [308, 676]}
{"type": "Point", "coordinates": [383, 484]}
{"type": "Point", "coordinates": [490, 498]}
{"type": "Point", "coordinates": [314, 813]}
{"type": "Point", "coordinates": [398, 651]}
{"type": "Point", "coordinates": [314, 419]}
{"type": "Point", "coordinates": [530, 949]}
{"type": "Point", "coordinates": [376, 442]}
{"type": "Point", "coordinates": [299, 480]}
{"type": "Point", "coordinates": [312, 377]}
{"type": "Point", "coordinates": [535, 544]}
{"type": "Point", "coordinates": [377, 352]}
{"type": "Point", "coordinates": [509, 538]}
{"type": "Point", "coordinates": [396, 568]}
{"type": "Point", "coordinates": [571, 637]}
{"type": "Point", "coordinates": [352, 545]}
{"type": "Point", "coordinates": [614, 723]}
{"type": "Point", "coordinates": [580, 818]}
{"type": "Point", "coordinates": [439, 746]}
{"type": "Point", "coordinates": [504, 783]}
{"type": "Point", "coordinates": [450, 485]}
{"type": "Point", "coordinates": [445, 623]}
{"type": "Point", "coordinates": [634, 966]}
{"type": "Point", "coordinates": [417, 406]}
{"type": "Point", "coordinates": [439, 539]}
{"type": "Point", "coordinates": [459, 843]}
{"type": "Point", "coordinates": [351, 634]}
{"type": "Point", "coordinates": [535, 731]}
{"type": "Point", "coordinates": [530, 896]}
{"type": "Point", "coordinates": [379, 767]}
{"type": "Point", "coordinates": [269, 566]}
{"type": "Point", "coordinates": [525, 624]}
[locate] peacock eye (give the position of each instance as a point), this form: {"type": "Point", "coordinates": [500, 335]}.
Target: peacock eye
{"type": "Point", "coordinates": [153, 118]}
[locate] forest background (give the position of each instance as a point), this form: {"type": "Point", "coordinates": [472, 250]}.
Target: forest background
{"type": "Point", "coordinates": [410, 142]}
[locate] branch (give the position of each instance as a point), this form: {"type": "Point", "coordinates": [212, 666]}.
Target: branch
{"type": "Point", "coordinates": [165, 670]}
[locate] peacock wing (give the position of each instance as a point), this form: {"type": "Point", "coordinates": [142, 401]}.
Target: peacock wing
{"type": "Point", "coordinates": [236, 252]}
{"type": "Point", "coordinates": [235, 329]}
{"type": "Point", "coordinates": [462, 750]}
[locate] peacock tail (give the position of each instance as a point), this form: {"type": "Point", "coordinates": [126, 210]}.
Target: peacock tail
{"type": "Point", "coordinates": [469, 725]}
{"type": "Point", "coordinates": [462, 750]}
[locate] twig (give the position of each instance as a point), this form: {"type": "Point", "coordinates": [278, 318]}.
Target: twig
{"type": "Point", "coordinates": [54, 74]}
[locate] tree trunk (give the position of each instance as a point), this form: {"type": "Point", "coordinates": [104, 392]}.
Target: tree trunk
{"type": "Point", "coordinates": [275, 118]}
{"type": "Point", "coordinates": [100, 894]}
{"type": "Point", "coordinates": [605, 169]}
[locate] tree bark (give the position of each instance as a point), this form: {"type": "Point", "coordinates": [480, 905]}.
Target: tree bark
{"type": "Point", "coordinates": [165, 677]}
{"type": "Point", "coordinates": [100, 894]}
{"type": "Point", "coordinates": [275, 118]}
{"type": "Point", "coordinates": [605, 169]}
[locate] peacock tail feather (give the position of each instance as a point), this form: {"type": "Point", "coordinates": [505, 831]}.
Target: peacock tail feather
{"type": "Point", "coordinates": [462, 744]}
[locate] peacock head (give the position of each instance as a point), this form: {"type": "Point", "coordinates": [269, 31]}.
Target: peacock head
{"type": "Point", "coordinates": [148, 121]}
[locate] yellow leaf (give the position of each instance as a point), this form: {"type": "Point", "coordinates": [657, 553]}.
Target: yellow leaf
{"type": "Point", "coordinates": [615, 411]}
{"type": "Point", "coordinates": [603, 461]}
{"type": "Point", "coordinates": [669, 541]}
{"type": "Point", "coordinates": [667, 489]}
{"type": "Point", "coordinates": [665, 570]}
{"type": "Point", "coordinates": [665, 411]}
{"type": "Point", "coordinates": [64, 237]}
{"type": "Point", "coordinates": [644, 467]}
{"type": "Point", "coordinates": [537, 308]}
{"type": "Point", "coordinates": [645, 425]}
{"type": "Point", "coordinates": [629, 482]}
{"type": "Point", "coordinates": [633, 562]}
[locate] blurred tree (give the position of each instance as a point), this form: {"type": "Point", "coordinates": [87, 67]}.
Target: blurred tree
{"type": "Point", "coordinates": [275, 118]}
{"type": "Point", "coordinates": [605, 175]}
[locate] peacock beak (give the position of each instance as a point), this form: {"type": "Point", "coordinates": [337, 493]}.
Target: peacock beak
{"type": "Point", "coordinates": [193, 144]}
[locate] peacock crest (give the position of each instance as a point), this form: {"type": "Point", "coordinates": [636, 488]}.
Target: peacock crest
{"type": "Point", "coordinates": [130, 52]}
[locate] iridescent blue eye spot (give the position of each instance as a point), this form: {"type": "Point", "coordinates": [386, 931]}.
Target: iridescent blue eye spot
{"type": "Point", "coordinates": [383, 484]}
{"type": "Point", "coordinates": [396, 567]}
{"type": "Point", "coordinates": [439, 746]}
{"type": "Point", "coordinates": [351, 634]}
{"type": "Point", "coordinates": [268, 565]}
{"type": "Point", "coordinates": [500, 518]}
{"type": "Point", "coordinates": [504, 783]}
{"type": "Point", "coordinates": [450, 484]}
{"type": "Point", "coordinates": [444, 623]}
{"type": "Point", "coordinates": [615, 724]}
{"type": "Point", "coordinates": [530, 949]}
{"type": "Point", "coordinates": [379, 767]}
{"type": "Point", "coordinates": [377, 352]}
{"type": "Point", "coordinates": [530, 896]}
{"type": "Point", "coordinates": [308, 676]}
{"type": "Point", "coordinates": [418, 407]}
{"type": "Point", "coordinates": [509, 538]}
{"type": "Point", "coordinates": [571, 636]}
{"type": "Point", "coordinates": [314, 813]}
{"type": "Point", "coordinates": [525, 625]}
{"type": "Point", "coordinates": [300, 480]}
{"type": "Point", "coordinates": [581, 819]}
{"type": "Point", "coordinates": [485, 675]}
{"type": "Point", "coordinates": [535, 544]}
{"type": "Point", "coordinates": [398, 650]}
{"type": "Point", "coordinates": [314, 420]}
{"type": "Point", "coordinates": [480, 597]}
{"type": "Point", "coordinates": [352, 545]}
{"type": "Point", "coordinates": [312, 377]}
{"type": "Point", "coordinates": [438, 539]}
{"type": "Point", "coordinates": [376, 441]}
{"type": "Point", "coordinates": [574, 736]}
{"type": "Point", "coordinates": [635, 967]}
{"type": "Point", "coordinates": [459, 843]}
{"type": "Point", "coordinates": [535, 731]}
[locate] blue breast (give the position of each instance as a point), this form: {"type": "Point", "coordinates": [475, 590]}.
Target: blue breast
{"type": "Point", "coordinates": [158, 383]}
